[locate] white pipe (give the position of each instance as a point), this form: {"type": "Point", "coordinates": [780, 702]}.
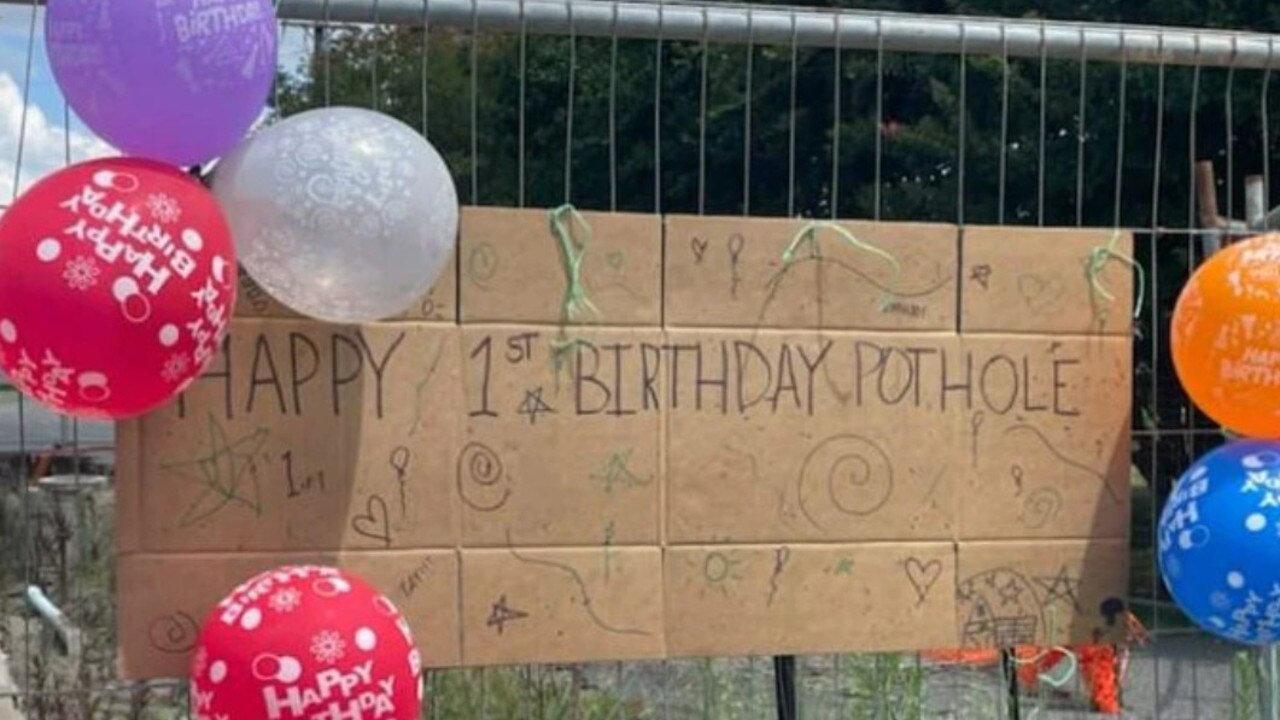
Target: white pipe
{"type": "Point", "coordinates": [727, 23]}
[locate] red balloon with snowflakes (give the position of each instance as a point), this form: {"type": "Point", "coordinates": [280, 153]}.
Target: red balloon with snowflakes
{"type": "Point", "coordinates": [306, 642]}
{"type": "Point", "coordinates": [117, 282]}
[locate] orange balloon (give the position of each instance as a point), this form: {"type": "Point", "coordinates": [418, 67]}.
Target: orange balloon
{"type": "Point", "coordinates": [1226, 337]}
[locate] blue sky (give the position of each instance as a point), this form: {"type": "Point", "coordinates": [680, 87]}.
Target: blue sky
{"type": "Point", "coordinates": [44, 142]}
{"type": "Point", "coordinates": [15, 22]}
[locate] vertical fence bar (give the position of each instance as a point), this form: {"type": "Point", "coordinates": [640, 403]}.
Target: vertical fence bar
{"type": "Point", "coordinates": [1121, 112]}
{"type": "Point", "coordinates": [1004, 123]}
{"type": "Point", "coordinates": [1265, 120]}
{"type": "Point", "coordinates": [657, 114]}
{"type": "Point", "coordinates": [791, 126]}
{"type": "Point", "coordinates": [1082, 134]}
{"type": "Point", "coordinates": [521, 161]}
{"type": "Point", "coordinates": [327, 24]}
{"type": "Point", "coordinates": [1044, 109]}
{"type": "Point", "coordinates": [1229, 112]}
{"type": "Point", "coordinates": [1193, 115]}
{"type": "Point", "coordinates": [746, 119]}
{"type": "Point", "coordinates": [568, 108]}
{"type": "Point", "coordinates": [836, 85]}
{"type": "Point", "coordinates": [25, 532]}
{"type": "Point", "coordinates": [879, 128]}
{"type": "Point", "coordinates": [613, 113]}
{"type": "Point", "coordinates": [425, 61]}
{"type": "Point", "coordinates": [962, 122]}
{"type": "Point", "coordinates": [373, 65]}
{"type": "Point", "coordinates": [702, 122]}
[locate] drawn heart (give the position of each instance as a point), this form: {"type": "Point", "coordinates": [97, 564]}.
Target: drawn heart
{"type": "Point", "coordinates": [375, 524]}
{"type": "Point", "coordinates": [923, 576]}
{"type": "Point", "coordinates": [699, 247]}
{"type": "Point", "coordinates": [1038, 293]}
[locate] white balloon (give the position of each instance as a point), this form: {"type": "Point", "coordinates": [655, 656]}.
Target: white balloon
{"type": "Point", "coordinates": [341, 214]}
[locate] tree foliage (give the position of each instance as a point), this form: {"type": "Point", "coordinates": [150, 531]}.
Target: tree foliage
{"type": "Point", "coordinates": [467, 96]}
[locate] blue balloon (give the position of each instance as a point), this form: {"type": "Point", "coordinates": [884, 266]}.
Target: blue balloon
{"type": "Point", "coordinates": [1219, 542]}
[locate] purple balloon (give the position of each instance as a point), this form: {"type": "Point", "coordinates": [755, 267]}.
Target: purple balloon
{"type": "Point", "coordinates": [174, 80]}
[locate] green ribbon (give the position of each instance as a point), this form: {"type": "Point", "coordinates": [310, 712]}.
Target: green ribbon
{"type": "Point", "coordinates": [575, 306]}
{"type": "Point", "coordinates": [808, 232]}
{"type": "Point", "coordinates": [1098, 259]}
{"type": "Point", "coordinates": [1056, 682]}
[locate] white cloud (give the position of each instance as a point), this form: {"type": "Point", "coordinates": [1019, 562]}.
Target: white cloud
{"type": "Point", "coordinates": [44, 143]}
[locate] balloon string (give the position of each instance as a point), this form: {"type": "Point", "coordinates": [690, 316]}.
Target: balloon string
{"type": "Point", "coordinates": [1065, 653]}
{"type": "Point", "coordinates": [808, 234]}
{"type": "Point", "coordinates": [1098, 259]}
{"type": "Point", "coordinates": [575, 305]}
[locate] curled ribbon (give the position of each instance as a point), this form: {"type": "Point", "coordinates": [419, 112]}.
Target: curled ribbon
{"type": "Point", "coordinates": [807, 234]}
{"type": "Point", "coordinates": [1098, 259]}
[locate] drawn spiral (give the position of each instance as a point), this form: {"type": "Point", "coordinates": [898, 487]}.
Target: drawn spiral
{"type": "Point", "coordinates": [174, 634]}
{"type": "Point", "coordinates": [849, 474]}
{"type": "Point", "coordinates": [1040, 507]}
{"type": "Point", "coordinates": [482, 482]}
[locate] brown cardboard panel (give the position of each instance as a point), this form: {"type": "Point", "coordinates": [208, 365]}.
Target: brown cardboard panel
{"type": "Point", "coordinates": [785, 436]}
{"type": "Point", "coordinates": [164, 599]}
{"type": "Point", "coordinates": [793, 462]}
{"type": "Point", "coordinates": [861, 291]}
{"type": "Point", "coordinates": [762, 600]}
{"type": "Point", "coordinates": [128, 523]}
{"type": "Point", "coordinates": [311, 436]}
{"type": "Point", "coordinates": [512, 268]}
{"type": "Point", "coordinates": [1032, 279]}
{"type": "Point", "coordinates": [728, 271]}
{"type": "Point", "coordinates": [561, 605]}
{"type": "Point", "coordinates": [561, 442]}
{"type": "Point", "coordinates": [725, 271]}
{"type": "Point", "coordinates": [1050, 437]}
{"type": "Point", "coordinates": [439, 304]}
{"type": "Point", "coordinates": [1041, 592]}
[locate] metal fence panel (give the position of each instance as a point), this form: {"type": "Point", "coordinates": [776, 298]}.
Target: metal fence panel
{"type": "Point", "coordinates": [725, 109]}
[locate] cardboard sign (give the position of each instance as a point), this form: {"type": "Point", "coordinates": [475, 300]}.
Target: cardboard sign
{"type": "Point", "coordinates": [866, 446]}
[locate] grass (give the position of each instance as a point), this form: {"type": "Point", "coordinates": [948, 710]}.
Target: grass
{"type": "Point", "coordinates": [884, 687]}
{"type": "Point", "coordinates": [1246, 684]}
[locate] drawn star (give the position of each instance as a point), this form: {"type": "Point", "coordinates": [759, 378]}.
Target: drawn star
{"type": "Point", "coordinates": [1010, 593]}
{"type": "Point", "coordinates": [501, 614]}
{"type": "Point", "coordinates": [616, 472]}
{"type": "Point", "coordinates": [981, 274]}
{"type": "Point", "coordinates": [1060, 587]}
{"type": "Point", "coordinates": [226, 473]}
{"type": "Point", "coordinates": [534, 405]}
{"type": "Point", "coordinates": [844, 567]}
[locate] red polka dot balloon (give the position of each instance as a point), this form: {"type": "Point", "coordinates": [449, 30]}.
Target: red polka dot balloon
{"type": "Point", "coordinates": [117, 282]}
{"type": "Point", "coordinates": [306, 643]}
